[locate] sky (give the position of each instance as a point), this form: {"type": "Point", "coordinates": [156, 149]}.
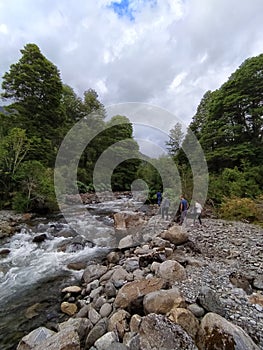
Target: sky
{"type": "Point", "coordinates": [165, 53]}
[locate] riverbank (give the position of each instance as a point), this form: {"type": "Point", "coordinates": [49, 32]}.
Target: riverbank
{"type": "Point", "coordinates": [185, 288]}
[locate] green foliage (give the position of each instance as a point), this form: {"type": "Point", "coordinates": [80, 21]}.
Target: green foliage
{"type": "Point", "coordinates": [239, 209]}
{"type": "Point", "coordinates": [34, 87]}
{"type": "Point", "coordinates": [234, 182]}
{"type": "Point", "coordinates": [35, 185]}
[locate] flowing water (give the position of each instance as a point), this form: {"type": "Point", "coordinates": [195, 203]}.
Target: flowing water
{"type": "Point", "coordinates": [33, 273]}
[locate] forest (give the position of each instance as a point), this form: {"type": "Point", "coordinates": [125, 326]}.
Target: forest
{"type": "Point", "coordinates": [38, 110]}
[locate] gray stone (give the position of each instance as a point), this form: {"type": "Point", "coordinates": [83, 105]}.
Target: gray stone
{"type": "Point", "coordinates": [105, 310]}
{"type": "Point", "coordinates": [97, 331]}
{"type": "Point", "coordinates": [157, 332]}
{"type": "Point", "coordinates": [218, 333]}
{"type": "Point", "coordinates": [210, 301]}
{"type": "Point", "coordinates": [93, 272]}
{"type": "Point", "coordinates": [105, 342]}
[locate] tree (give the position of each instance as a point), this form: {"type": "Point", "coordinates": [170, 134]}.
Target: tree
{"type": "Point", "coordinates": [34, 87]}
{"type": "Point", "coordinates": [233, 126]}
{"type": "Point", "coordinates": [176, 137]}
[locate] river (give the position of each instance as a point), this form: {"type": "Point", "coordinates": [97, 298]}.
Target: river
{"type": "Point", "coordinates": [33, 273]}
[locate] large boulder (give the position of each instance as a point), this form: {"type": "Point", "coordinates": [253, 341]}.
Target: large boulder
{"type": "Point", "coordinates": [171, 271]}
{"type": "Point", "coordinates": [175, 235]}
{"type": "Point", "coordinates": [40, 338]}
{"type": "Point", "coordinates": [158, 332]}
{"type": "Point", "coordinates": [162, 301]}
{"type": "Point", "coordinates": [186, 319]}
{"type": "Point", "coordinates": [126, 219]}
{"type": "Point", "coordinates": [133, 292]}
{"type": "Point", "coordinates": [218, 333]}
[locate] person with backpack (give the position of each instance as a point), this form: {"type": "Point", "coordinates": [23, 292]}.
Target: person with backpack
{"type": "Point", "coordinates": [183, 209]}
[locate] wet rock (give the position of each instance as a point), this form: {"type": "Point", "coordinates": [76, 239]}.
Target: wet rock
{"type": "Point", "coordinates": [72, 289]}
{"type": "Point", "coordinates": [217, 333]}
{"type": "Point", "coordinates": [39, 238]}
{"type": "Point", "coordinates": [93, 272]}
{"type": "Point", "coordinates": [68, 308]}
{"type": "Point", "coordinates": [77, 266]}
{"type": "Point", "coordinates": [5, 251]}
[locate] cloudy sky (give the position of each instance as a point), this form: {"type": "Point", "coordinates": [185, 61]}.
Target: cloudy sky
{"type": "Point", "coordinates": [163, 52]}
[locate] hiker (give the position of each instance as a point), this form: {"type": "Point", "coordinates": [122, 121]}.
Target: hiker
{"type": "Point", "coordinates": [159, 197]}
{"type": "Point", "coordinates": [165, 207]}
{"type": "Point", "coordinates": [197, 212]}
{"type": "Point", "coordinates": [183, 209]}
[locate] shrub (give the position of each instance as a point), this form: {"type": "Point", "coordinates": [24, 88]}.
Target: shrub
{"type": "Point", "coordinates": [239, 209]}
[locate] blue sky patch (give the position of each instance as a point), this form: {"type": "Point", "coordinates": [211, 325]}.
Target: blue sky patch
{"type": "Point", "coordinates": [123, 8]}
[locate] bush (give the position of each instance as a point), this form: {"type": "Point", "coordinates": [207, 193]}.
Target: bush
{"type": "Point", "coordinates": [239, 209]}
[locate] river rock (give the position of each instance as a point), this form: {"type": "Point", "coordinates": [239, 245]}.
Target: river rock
{"type": "Point", "coordinates": [162, 301]}
{"type": "Point", "coordinates": [131, 292]}
{"type": "Point", "coordinates": [5, 251]}
{"type": "Point", "coordinates": [217, 333]}
{"type": "Point", "coordinates": [175, 235]}
{"type": "Point", "coordinates": [71, 289]}
{"type": "Point", "coordinates": [124, 220]}
{"type": "Point", "coordinates": [210, 301]}
{"type": "Point", "coordinates": [185, 319]}
{"type": "Point", "coordinates": [158, 332]}
{"type": "Point", "coordinates": [127, 242]}
{"type": "Point", "coordinates": [35, 337]}
{"type": "Point", "coordinates": [114, 257]}
{"type": "Point", "coordinates": [105, 310]}
{"type": "Point", "coordinates": [258, 282]}
{"type": "Point", "coordinates": [106, 341]}
{"type": "Point", "coordinates": [171, 271]}
{"type": "Point", "coordinates": [39, 238]}
{"type": "Point", "coordinates": [93, 315]}
{"type": "Point", "coordinates": [68, 308]}
{"type": "Point", "coordinates": [65, 339]}
{"type": "Point", "coordinates": [97, 331]}
{"type": "Point", "coordinates": [81, 325]}
{"type": "Point", "coordinates": [93, 272]}
{"type": "Point", "coordinates": [119, 322]}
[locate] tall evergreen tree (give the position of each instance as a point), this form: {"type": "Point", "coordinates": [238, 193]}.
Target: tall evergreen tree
{"type": "Point", "coordinates": [34, 87]}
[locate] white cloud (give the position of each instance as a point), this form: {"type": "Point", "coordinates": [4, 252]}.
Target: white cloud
{"type": "Point", "coordinates": [169, 54]}
{"type": "Point", "coordinates": [3, 28]}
